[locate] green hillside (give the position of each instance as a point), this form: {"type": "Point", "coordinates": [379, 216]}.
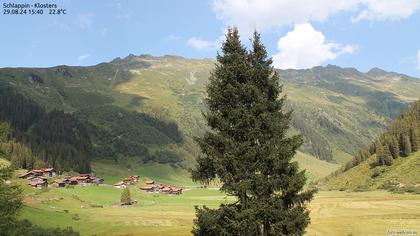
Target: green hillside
{"type": "Point", "coordinates": [129, 100]}
{"type": "Point", "coordinates": [390, 162]}
{"type": "Point", "coordinates": [402, 175]}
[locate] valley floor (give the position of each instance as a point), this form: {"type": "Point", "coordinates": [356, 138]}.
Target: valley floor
{"type": "Point", "coordinates": [93, 210]}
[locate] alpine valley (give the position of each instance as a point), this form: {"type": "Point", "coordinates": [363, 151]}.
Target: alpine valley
{"type": "Point", "coordinates": [139, 115]}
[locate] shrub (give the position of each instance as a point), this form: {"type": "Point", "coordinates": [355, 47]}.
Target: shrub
{"type": "Point", "coordinates": [76, 217]}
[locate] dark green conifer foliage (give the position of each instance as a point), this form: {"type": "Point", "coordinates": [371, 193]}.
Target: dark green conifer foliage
{"type": "Point", "coordinates": [249, 150]}
{"type": "Point", "coordinates": [126, 197]}
{"type": "Point", "coordinates": [394, 147]}
{"type": "Point", "coordinates": [413, 140]}
{"type": "Point", "coordinates": [10, 199]}
{"type": "Point", "coordinates": [388, 156]}
{"type": "Point", "coordinates": [406, 145]}
{"type": "Point", "coordinates": [401, 139]}
{"type": "Point", "coordinates": [379, 154]}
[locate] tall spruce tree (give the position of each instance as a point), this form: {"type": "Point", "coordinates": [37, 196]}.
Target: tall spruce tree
{"type": "Point", "coordinates": [249, 149]}
{"type": "Point", "coordinates": [394, 147]}
{"type": "Point", "coordinates": [413, 139]}
{"type": "Point", "coordinates": [406, 145]}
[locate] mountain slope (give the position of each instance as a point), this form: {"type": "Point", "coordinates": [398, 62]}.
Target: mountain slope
{"type": "Point", "coordinates": [391, 161]}
{"type": "Point", "coordinates": [402, 175]}
{"type": "Point", "coordinates": [339, 110]}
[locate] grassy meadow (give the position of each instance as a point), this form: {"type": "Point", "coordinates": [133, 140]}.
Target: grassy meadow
{"type": "Point", "coordinates": [94, 210]}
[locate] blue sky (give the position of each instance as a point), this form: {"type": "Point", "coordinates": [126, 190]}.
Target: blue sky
{"type": "Point", "coordinates": [298, 34]}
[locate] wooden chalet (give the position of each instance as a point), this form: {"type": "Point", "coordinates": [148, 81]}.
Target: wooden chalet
{"type": "Point", "coordinates": [38, 183]}
{"type": "Point", "coordinates": [176, 191]}
{"type": "Point", "coordinates": [149, 182]}
{"type": "Point", "coordinates": [148, 188]}
{"type": "Point", "coordinates": [73, 180]}
{"type": "Point", "coordinates": [128, 181]}
{"type": "Point", "coordinates": [59, 183]}
{"type": "Point", "coordinates": [96, 180]}
{"type": "Point", "coordinates": [152, 187]}
{"type": "Point", "coordinates": [50, 172]}
{"type": "Point", "coordinates": [120, 184]}
{"type": "Point", "coordinates": [27, 175]}
{"type": "Point", "coordinates": [46, 172]}
{"type": "Point", "coordinates": [135, 178]}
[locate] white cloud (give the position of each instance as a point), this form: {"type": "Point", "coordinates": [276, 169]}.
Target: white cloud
{"type": "Point", "coordinates": [418, 59]}
{"type": "Point", "coordinates": [304, 47]}
{"type": "Point", "coordinates": [387, 9]}
{"type": "Point", "coordinates": [83, 56]}
{"type": "Point", "coordinates": [201, 44]}
{"type": "Point", "coordinates": [265, 14]}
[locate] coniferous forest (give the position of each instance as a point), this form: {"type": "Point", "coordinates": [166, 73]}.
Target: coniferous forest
{"type": "Point", "coordinates": [400, 139]}
{"type": "Point", "coordinates": [34, 138]}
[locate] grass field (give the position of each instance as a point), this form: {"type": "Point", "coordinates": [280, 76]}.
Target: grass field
{"type": "Point", "coordinates": [93, 210]}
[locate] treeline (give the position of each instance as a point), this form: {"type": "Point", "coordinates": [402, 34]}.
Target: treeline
{"type": "Point", "coordinates": [401, 139]}
{"type": "Point", "coordinates": [34, 138]}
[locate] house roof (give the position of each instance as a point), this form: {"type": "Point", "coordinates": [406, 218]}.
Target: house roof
{"type": "Point", "coordinates": [26, 174]}
{"type": "Point", "coordinates": [118, 184]}
{"type": "Point", "coordinates": [146, 188]}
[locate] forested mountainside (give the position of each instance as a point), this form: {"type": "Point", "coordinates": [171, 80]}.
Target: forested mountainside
{"type": "Point", "coordinates": [34, 138]}
{"type": "Point", "coordinates": [150, 108]}
{"type": "Point", "coordinates": [391, 161]}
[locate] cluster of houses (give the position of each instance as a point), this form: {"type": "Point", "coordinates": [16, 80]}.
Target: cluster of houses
{"type": "Point", "coordinates": [130, 180]}
{"type": "Point", "coordinates": [153, 187]}
{"type": "Point", "coordinates": [82, 179]}
{"type": "Point", "coordinates": [38, 178]}
{"type": "Point", "coordinates": [46, 172]}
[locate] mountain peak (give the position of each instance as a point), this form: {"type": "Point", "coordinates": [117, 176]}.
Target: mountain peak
{"type": "Point", "coordinates": [376, 71]}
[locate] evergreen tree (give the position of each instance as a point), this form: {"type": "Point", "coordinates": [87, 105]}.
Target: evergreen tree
{"type": "Point", "coordinates": [379, 154]}
{"type": "Point", "coordinates": [126, 197]}
{"type": "Point", "coordinates": [249, 150]}
{"type": "Point", "coordinates": [387, 157]}
{"type": "Point", "coordinates": [10, 199]}
{"type": "Point", "coordinates": [413, 139]}
{"type": "Point", "coordinates": [406, 145]}
{"type": "Point", "coordinates": [394, 147]}
{"type": "Point", "coordinates": [10, 203]}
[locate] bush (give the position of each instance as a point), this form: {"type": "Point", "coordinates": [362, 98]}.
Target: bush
{"type": "Point", "coordinates": [76, 217]}
{"type": "Point", "coordinates": [378, 171]}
